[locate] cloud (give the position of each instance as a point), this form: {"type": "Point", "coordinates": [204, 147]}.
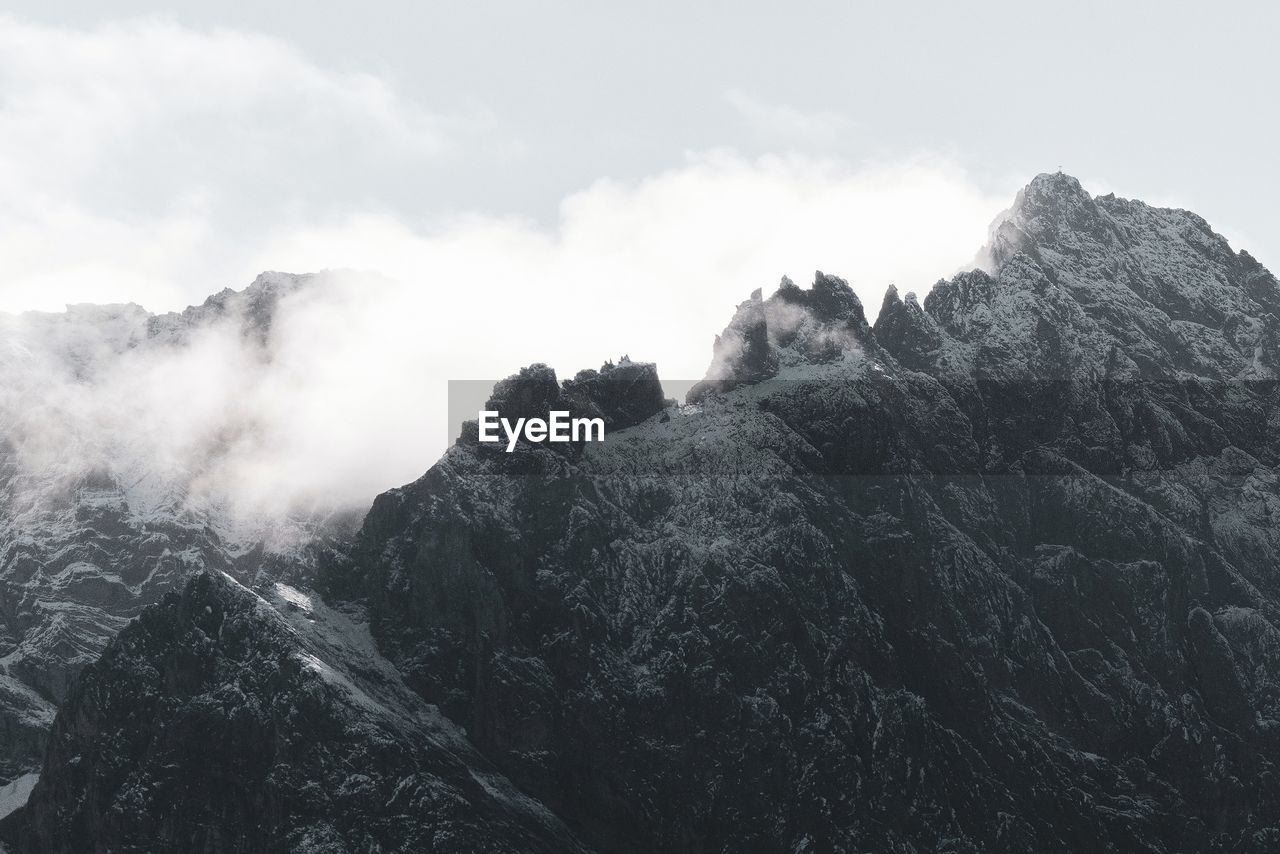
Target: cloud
{"type": "Point", "coordinates": [350, 398]}
{"type": "Point", "coordinates": [154, 163]}
{"type": "Point", "coordinates": [654, 267]}
{"type": "Point", "coordinates": [133, 157]}
{"type": "Point", "coordinates": [651, 269]}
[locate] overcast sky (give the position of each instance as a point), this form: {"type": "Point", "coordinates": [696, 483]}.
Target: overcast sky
{"type": "Point", "coordinates": [610, 156]}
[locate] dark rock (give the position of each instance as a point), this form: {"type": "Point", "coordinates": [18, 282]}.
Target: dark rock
{"type": "Point", "coordinates": [906, 332]}
{"type": "Point", "coordinates": [794, 325]}
{"type": "Point", "coordinates": [211, 724]}
{"type": "Point", "coordinates": [741, 354]}
{"type": "Point", "coordinates": [1017, 598]}
{"type": "Point", "coordinates": [623, 394]}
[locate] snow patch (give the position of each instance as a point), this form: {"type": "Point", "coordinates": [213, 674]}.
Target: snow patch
{"type": "Point", "coordinates": [15, 794]}
{"type": "Point", "coordinates": [294, 596]}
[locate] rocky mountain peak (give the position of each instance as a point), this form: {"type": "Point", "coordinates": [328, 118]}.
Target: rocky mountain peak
{"type": "Point", "coordinates": [1051, 193]}
{"type": "Point", "coordinates": [906, 331]}
{"type": "Point", "coordinates": [1051, 208]}
{"type": "Point", "coordinates": [1004, 585]}
{"type": "Point", "coordinates": [622, 393]}
{"type": "Point", "coordinates": [1157, 284]}
{"type": "Point", "coordinates": [793, 326]}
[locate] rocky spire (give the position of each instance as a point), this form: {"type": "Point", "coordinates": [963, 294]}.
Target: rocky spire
{"type": "Point", "coordinates": [793, 325]}
{"type": "Point", "coordinates": [906, 332]}
{"type": "Point", "coordinates": [742, 353]}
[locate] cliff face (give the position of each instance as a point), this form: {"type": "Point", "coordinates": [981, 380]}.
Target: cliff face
{"type": "Point", "coordinates": [994, 575]}
{"type": "Point", "coordinates": [223, 720]}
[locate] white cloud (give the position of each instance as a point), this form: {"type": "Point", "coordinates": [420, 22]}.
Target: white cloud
{"type": "Point", "coordinates": [136, 158]}
{"type": "Point", "coordinates": [652, 269]}
{"type": "Point", "coordinates": [353, 399]}
{"type": "Point", "coordinates": [655, 267]}
{"type": "Point", "coordinates": [154, 163]}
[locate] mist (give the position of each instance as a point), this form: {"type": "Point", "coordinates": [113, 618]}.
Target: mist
{"type": "Point", "coordinates": [130, 175]}
{"type": "Point", "coordinates": [347, 395]}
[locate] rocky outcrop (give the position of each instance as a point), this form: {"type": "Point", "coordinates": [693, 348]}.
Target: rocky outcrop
{"type": "Point", "coordinates": [794, 326]}
{"type": "Point", "coordinates": [225, 721]}
{"type": "Point", "coordinates": [742, 353]}
{"type": "Point", "coordinates": [622, 394]}
{"type": "Point", "coordinates": [906, 332]}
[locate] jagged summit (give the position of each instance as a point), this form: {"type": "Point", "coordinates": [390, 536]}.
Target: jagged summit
{"type": "Point", "coordinates": [911, 332]}
{"type": "Point", "coordinates": [1168, 257]}
{"type": "Point", "coordinates": [1158, 283]}
{"type": "Point", "coordinates": [793, 325]}
{"type": "Point", "coordinates": [1050, 196]}
{"type": "Point", "coordinates": [1072, 284]}
{"type": "Point", "coordinates": [1056, 190]}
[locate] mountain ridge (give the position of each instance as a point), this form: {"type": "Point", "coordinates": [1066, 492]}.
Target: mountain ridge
{"type": "Point", "coordinates": [993, 574]}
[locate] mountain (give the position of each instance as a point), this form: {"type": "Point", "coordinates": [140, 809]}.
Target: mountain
{"type": "Point", "coordinates": [228, 721]}
{"type": "Point", "coordinates": [995, 574]}
{"type": "Point", "coordinates": [94, 526]}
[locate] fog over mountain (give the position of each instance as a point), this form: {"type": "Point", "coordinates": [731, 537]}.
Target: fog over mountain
{"type": "Point", "coordinates": [989, 571]}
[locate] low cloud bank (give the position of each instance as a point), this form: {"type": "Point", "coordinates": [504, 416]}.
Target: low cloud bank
{"type": "Point", "coordinates": [348, 394]}
{"type": "Point", "coordinates": [150, 162]}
